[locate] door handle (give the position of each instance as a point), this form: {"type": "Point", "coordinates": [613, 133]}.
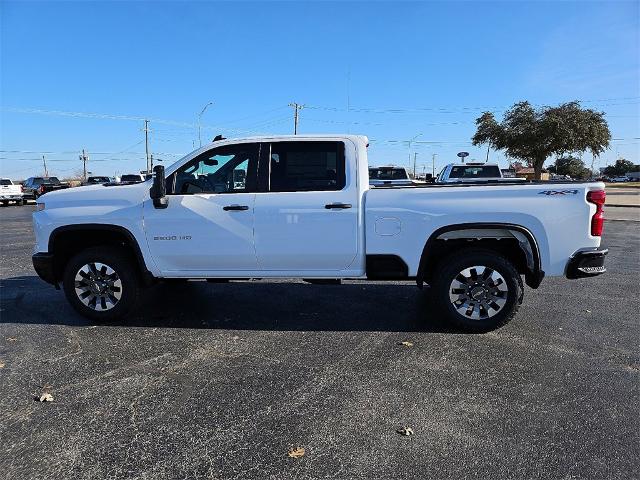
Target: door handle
{"type": "Point", "coordinates": [236, 207]}
{"type": "Point", "coordinates": [339, 206]}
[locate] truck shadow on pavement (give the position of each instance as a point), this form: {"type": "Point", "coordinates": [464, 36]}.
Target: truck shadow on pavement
{"type": "Point", "coordinates": [255, 305]}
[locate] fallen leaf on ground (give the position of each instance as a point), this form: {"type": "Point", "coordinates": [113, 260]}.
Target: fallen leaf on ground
{"type": "Point", "coordinates": [588, 311]}
{"type": "Point", "coordinates": [46, 397]}
{"type": "Point", "coordinates": [406, 344]}
{"type": "Point", "coordinates": [2, 364]}
{"type": "Point", "coordinates": [11, 339]}
{"type": "Point", "coordinates": [296, 452]}
{"type": "Point", "coordinates": [405, 431]}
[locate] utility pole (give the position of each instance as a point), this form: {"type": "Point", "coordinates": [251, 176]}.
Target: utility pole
{"type": "Point", "coordinates": [44, 161]}
{"type": "Point", "coordinates": [487, 160]}
{"type": "Point", "coordinates": [415, 154]}
{"type": "Point", "coordinates": [84, 157]}
{"type": "Point", "coordinates": [146, 143]}
{"type": "Point", "coordinates": [296, 108]}
{"type": "Point", "coordinates": [433, 165]}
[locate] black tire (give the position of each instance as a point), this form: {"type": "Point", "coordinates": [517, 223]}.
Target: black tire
{"type": "Point", "coordinates": [20, 203]}
{"type": "Point", "coordinates": [450, 269]}
{"type": "Point", "coordinates": [5, 204]}
{"type": "Point", "coordinates": [124, 267]}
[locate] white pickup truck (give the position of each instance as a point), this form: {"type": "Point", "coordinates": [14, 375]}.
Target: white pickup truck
{"type": "Point", "coordinates": [301, 207]}
{"type": "Point", "coordinates": [10, 192]}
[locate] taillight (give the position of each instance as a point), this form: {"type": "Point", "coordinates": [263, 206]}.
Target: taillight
{"type": "Point", "coordinates": [41, 188]}
{"type": "Point", "coordinates": [597, 197]}
{"type": "Point", "coordinates": [22, 188]}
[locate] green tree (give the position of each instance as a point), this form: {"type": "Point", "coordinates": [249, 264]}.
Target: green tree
{"type": "Point", "coordinates": [572, 166]}
{"type": "Point", "coordinates": [621, 167]}
{"type": "Point", "coordinates": [534, 134]}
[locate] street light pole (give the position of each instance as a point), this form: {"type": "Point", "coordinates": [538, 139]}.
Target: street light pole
{"type": "Point", "coordinates": [199, 122]}
{"type": "Point", "coordinates": [410, 142]}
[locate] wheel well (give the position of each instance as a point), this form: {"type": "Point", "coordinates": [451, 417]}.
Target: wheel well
{"type": "Point", "coordinates": [513, 242]}
{"type": "Point", "coordinates": [67, 241]}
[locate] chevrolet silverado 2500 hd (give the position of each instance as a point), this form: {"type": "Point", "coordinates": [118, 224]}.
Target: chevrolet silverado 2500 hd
{"type": "Point", "coordinates": [301, 206]}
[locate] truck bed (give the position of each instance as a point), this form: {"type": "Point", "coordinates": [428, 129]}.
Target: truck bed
{"type": "Point", "coordinates": [556, 213]}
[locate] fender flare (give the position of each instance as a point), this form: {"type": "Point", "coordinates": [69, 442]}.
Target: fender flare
{"type": "Point", "coordinates": [147, 276]}
{"type": "Point", "coordinates": [526, 242]}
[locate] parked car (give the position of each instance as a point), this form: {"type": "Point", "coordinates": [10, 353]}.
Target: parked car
{"type": "Point", "coordinates": [10, 192]}
{"type": "Point", "coordinates": [97, 180]}
{"type": "Point", "coordinates": [388, 176]}
{"type": "Point", "coordinates": [473, 172]}
{"type": "Point", "coordinates": [620, 179]}
{"type": "Point", "coordinates": [132, 178]}
{"type": "Point", "coordinates": [34, 187]}
{"type": "Point", "coordinates": [305, 210]}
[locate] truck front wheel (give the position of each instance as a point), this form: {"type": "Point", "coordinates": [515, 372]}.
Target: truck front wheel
{"type": "Point", "coordinates": [101, 284]}
{"type": "Point", "coordinates": [477, 290]}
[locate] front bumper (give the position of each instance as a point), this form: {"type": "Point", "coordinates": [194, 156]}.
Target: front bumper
{"type": "Point", "coordinates": [587, 263]}
{"type": "Point", "coordinates": [43, 265]}
{"type": "Point", "coordinates": [11, 197]}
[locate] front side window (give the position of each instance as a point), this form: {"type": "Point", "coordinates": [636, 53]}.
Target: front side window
{"type": "Point", "coordinates": [306, 166]}
{"type": "Point", "coordinates": [227, 169]}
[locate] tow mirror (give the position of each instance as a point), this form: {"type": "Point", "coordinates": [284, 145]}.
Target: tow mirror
{"type": "Point", "coordinates": [158, 191]}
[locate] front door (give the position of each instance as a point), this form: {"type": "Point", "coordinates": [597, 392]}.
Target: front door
{"type": "Point", "coordinates": [307, 219]}
{"type": "Point", "coordinates": [208, 224]}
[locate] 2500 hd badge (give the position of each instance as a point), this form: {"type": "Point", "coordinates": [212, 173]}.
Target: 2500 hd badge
{"type": "Point", "coordinates": [173, 237]}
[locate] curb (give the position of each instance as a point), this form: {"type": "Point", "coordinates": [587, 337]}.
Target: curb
{"type": "Point", "coordinates": [624, 206]}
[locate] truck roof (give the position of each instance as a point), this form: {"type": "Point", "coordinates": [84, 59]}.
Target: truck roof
{"type": "Point", "coordinates": [473, 164]}
{"type": "Point", "coordinates": [313, 136]}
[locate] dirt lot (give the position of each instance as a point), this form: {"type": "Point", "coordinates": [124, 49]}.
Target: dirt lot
{"type": "Point", "coordinates": [219, 381]}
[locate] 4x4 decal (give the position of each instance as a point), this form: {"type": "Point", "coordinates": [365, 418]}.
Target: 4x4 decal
{"type": "Point", "coordinates": [558, 192]}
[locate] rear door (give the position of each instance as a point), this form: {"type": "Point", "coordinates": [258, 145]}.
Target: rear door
{"type": "Point", "coordinates": [306, 217]}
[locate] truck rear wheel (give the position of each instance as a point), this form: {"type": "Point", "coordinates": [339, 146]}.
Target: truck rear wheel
{"type": "Point", "coordinates": [477, 290]}
{"type": "Point", "coordinates": [101, 284]}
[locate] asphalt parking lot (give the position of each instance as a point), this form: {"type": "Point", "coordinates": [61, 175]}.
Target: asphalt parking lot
{"type": "Point", "coordinates": [220, 380]}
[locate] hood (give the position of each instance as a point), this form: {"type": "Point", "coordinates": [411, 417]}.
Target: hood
{"type": "Point", "coordinates": [89, 195]}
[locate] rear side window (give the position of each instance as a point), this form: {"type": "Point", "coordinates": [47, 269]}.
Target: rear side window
{"type": "Point", "coordinates": [5, 181]}
{"type": "Point", "coordinates": [306, 166]}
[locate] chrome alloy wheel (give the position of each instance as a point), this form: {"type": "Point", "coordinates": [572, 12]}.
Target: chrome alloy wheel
{"type": "Point", "coordinates": [98, 286]}
{"type": "Point", "coordinates": [478, 292]}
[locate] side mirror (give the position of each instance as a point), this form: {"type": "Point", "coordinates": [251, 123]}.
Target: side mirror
{"type": "Point", "coordinates": [158, 191]}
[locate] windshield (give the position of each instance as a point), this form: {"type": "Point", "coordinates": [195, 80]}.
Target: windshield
{"type": "Point", "coordinates": [387, 174]}
{"type": "Point", "coordinates": [483, 171]}
{"type": "Point", "coordinates": [52, 180]}
{"type": "Point", "coordinates": [98, 180]}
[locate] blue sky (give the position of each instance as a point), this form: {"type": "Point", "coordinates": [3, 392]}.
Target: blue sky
{"type": "Point", "coordinates": [390, 70]}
